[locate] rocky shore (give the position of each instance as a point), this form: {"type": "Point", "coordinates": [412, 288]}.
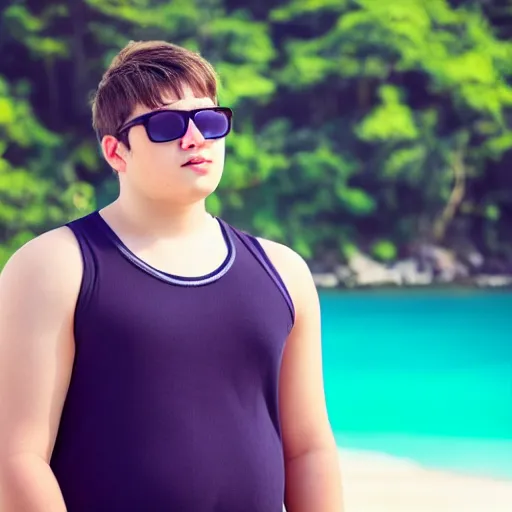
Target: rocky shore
{"type": "Point", "coordinates": [428, 265]}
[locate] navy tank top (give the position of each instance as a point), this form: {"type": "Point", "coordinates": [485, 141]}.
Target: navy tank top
{"type": "Point", "coordinates": [173, 399]}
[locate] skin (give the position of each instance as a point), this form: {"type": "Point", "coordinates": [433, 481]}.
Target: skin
{"type": "Point", "coordinates": [160, 208]}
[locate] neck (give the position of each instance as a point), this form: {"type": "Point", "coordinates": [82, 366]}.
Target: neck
{"type": "Point", "coordinates": [152, 218]}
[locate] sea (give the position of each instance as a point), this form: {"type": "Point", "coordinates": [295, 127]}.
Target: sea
{"type": "Point", "coordinates": [424, 375]}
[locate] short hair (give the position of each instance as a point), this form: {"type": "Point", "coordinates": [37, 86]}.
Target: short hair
{"type": "Point", "coordinates": [142, 73]}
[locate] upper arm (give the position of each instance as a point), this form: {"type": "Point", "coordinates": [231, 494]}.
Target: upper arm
{"type": "Point", "coordinates": [304, 421]}
{"type": "Point", "coordinates": [38, 291]}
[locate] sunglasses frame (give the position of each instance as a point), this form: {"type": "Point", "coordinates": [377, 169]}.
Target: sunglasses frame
{"type": "Point", "coordinates": [186, 115]}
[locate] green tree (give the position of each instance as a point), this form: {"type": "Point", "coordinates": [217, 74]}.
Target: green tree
{"type": "Point", "coordinates": [38, 188]}
{"type": "Point", "coordinates": [358, 123]}
{"type": "Point", "coordinates": [403, 108]}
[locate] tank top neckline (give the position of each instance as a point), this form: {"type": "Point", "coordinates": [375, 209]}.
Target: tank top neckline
{"type": "Point", "coordinates": [211, 277]}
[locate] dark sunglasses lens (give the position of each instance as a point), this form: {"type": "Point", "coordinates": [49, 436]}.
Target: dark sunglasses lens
{"type": "Point", "coordinates": [166, 126]}
{"type": "Point", "coordinates": [213, 124]}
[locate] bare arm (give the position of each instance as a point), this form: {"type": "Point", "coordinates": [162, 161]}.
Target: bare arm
{"type": "Point", "coordinates": [38, 291]}
{"type": "Point", "coordinates": [313, 480]}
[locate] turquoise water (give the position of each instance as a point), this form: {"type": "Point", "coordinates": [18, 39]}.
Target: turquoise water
{"type": "Point", "coordinates": [423, 375]}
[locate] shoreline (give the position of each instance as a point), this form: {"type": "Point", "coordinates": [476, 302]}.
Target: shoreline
{"type": "Point", "coordinates": [428, 266]}
{"type": "Point", "coordinates": [378, 482]}
{"type": "Point", "coordinates": [330, 281]}
{"type": "Point", "coordinates": [450, 287]}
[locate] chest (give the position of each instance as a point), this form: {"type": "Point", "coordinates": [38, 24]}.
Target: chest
{"type": "Point", "coordinates": [239, 321]}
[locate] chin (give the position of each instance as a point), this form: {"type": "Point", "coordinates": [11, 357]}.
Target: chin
{"type": "Point", "coordinates": [192, 195]}
{"type": "Point", "coordinates": [201, 193]}
{"type": "Point", "coordinates": [205, 186]}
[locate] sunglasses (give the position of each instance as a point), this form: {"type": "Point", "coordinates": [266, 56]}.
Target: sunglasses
{"type": "Point", "coordinates": [167, 125]}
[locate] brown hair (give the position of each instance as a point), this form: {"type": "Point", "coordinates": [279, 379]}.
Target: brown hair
{"type": "Point", "coordinates": [141, 73]}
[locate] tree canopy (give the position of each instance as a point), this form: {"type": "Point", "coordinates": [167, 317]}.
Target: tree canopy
{"type": "Point", "coordinates": [359, 124]}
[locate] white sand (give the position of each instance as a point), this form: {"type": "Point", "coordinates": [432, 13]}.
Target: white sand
{"type": "Point", "coordinates": [379, 483]}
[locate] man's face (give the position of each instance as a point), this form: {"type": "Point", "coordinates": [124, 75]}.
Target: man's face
{"type": "Point", "coordinates": [159, 171]}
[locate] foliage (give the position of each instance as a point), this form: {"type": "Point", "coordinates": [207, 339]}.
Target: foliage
{"type": "Point", "coordinates": [355, 119]}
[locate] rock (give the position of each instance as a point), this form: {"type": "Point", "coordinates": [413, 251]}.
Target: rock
{"type": "Point", "coordinates": [343, 272]}
{"type": "Point", "coordinates": [345, 276]}
{"type": "Point", "coordinates": [452, 273]}
{"type": "Point", "coordinates": [493, 281]}
{"type": "Point", "coordinates": [426, 265]}
{"type": "Point", "coordinates": [325, 280]}
{"type": "Point", "coordinates": [369, 272]}
{"type": "Point", "coordinates": [442, 262]}
{"type": "Point", "coordinates": [475, 259]}
{"type": "Point", "coordinates": [411, 274]}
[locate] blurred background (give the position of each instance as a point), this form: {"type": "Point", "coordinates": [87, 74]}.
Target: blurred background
{"type": "Point", "coordinates": [374, 137]}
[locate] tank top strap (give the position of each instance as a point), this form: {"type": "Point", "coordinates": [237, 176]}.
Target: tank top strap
{"type": "Point", "coordinates": [85, 233]}
{"type": "Point", "coordinates": [256, 249]}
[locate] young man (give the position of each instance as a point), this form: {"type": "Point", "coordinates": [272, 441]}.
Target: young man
{"type": "Point", "coordinates": [152, 357]}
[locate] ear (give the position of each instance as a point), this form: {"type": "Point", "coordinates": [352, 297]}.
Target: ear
{"type": "Point", "coordinates": [115, 153]}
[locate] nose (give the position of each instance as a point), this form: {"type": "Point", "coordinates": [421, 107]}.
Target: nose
{"type": "Point", "coordinates": [192, 138]}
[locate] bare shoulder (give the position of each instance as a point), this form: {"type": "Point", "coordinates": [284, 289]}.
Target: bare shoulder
{"type": "Point", "coordinates": [50, 260]}
{"type": "Point", "coordinates": [294, 271]}
{"type": "Point", "coordinates": [51, 242]}
{"type": "Point", "coordinates": [281, 254]}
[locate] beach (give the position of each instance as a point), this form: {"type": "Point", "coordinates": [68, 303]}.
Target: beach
{"type": "Point", "coordinates": [376, 482]}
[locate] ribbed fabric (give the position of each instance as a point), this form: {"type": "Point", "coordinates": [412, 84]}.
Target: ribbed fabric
{"type": "Point", "coordinates": [173, 401]}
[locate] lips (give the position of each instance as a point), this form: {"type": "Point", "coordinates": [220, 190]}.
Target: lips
{"type": "Point", "coordinates": [196, 161]}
